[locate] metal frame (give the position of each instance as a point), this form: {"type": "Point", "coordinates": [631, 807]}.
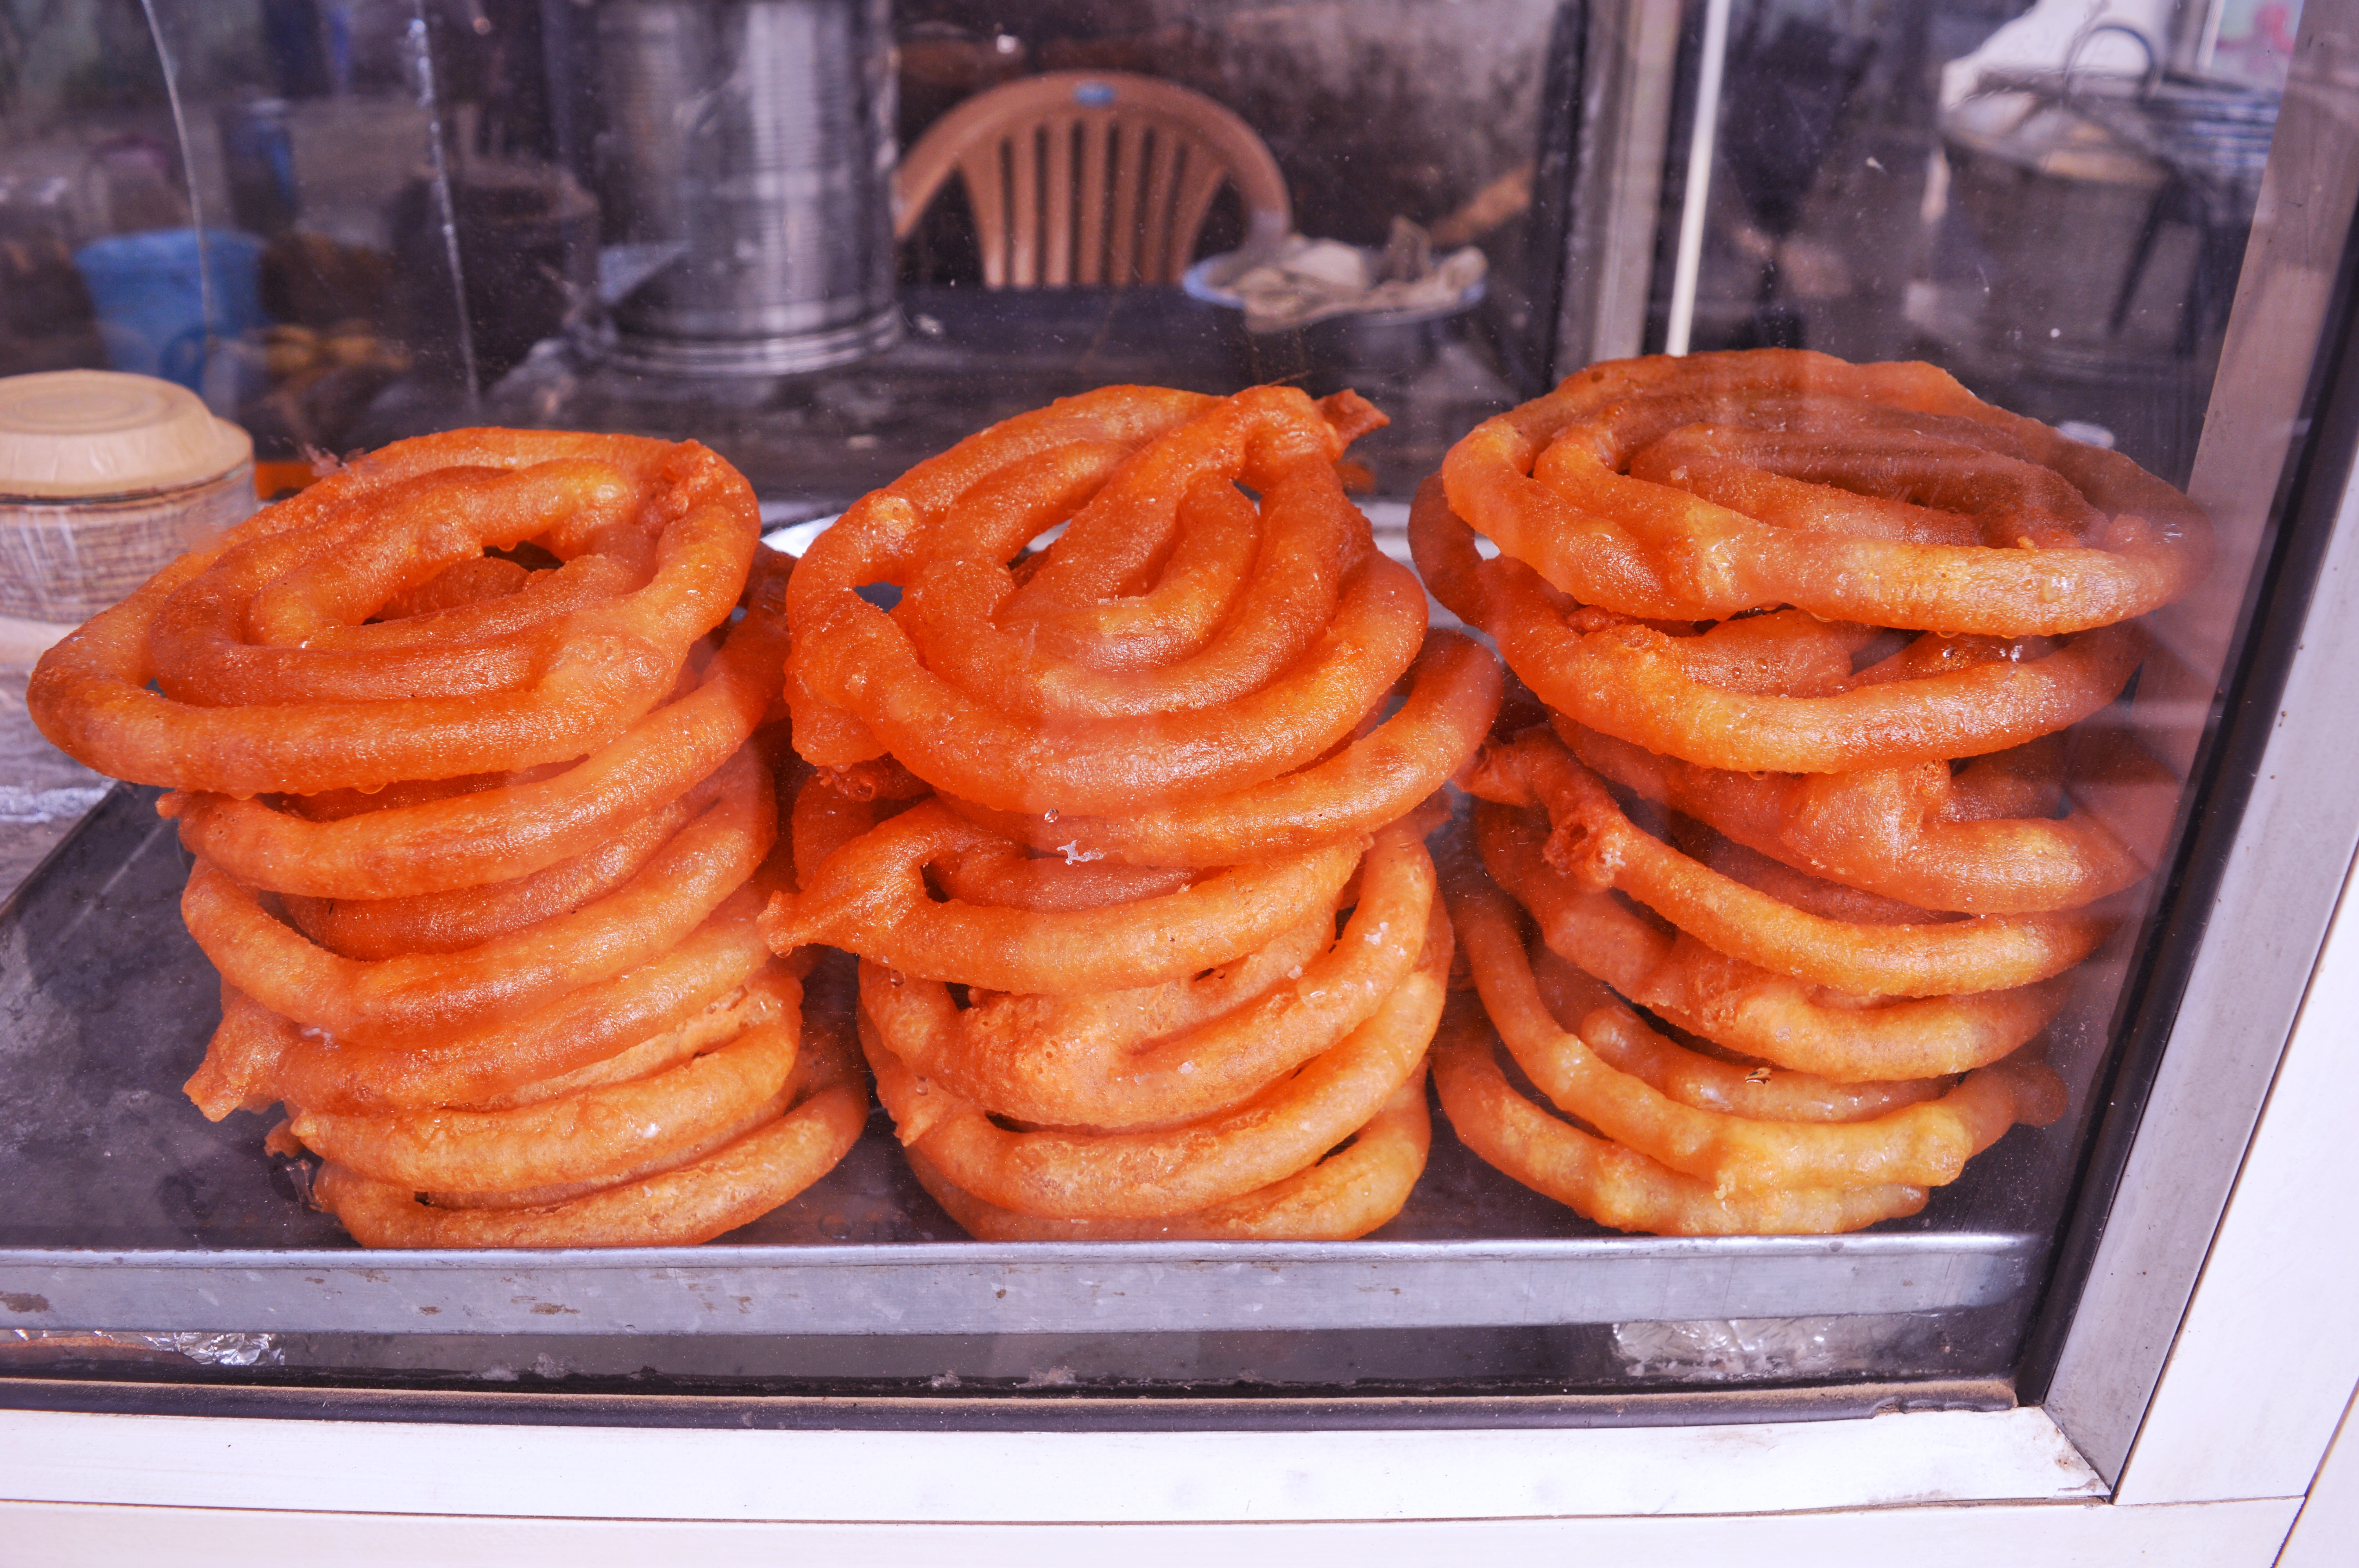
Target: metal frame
{"type": "Point", "coordinates": [967, 1288]}
{"type": "Point", "coordinates": [1620, 65]}
{"type": "Point", "coordinates": [614, 1406]}
{"type": "Point", "coordinates": [2257, 880]}
{"type": "Point", "coordinates": [1695, 196]}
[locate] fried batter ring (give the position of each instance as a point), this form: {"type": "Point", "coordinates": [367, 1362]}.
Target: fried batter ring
{"type": "Point", "coordinates": [859, 661]}
{"type": "Point", "coordinates": [1924, 1144]}
{"type": "Point", "coordinates": [1176, 1052]}
{"type": "Point", "coordinates": [90, 697]}
{"type": "Point", "coordinates": [992, 871]}
{"type": "Point", "coordinates": [463, 917]}
{"type": "Point", "coordinates": [420, 996]}
{"type": "Point", "coordinates": [734, 1184]}
{"type": "Point", "coordinates": [1638, 682]}
{"type": "Point", "coordinates": [1284, 1128]}
{"type": "Point", "coordinates": [218, 643]}
{"type": "Point", "coordinates": [603, 1133]}
{"type": "Point", "coordinates": [1741, 1006]}
{"type": "Point", "coordinates": [1984, 841]}
{"type": "Point", "coordinates": [1738, 1086]}
{"type": "Point", "coordinates": [1593, 842]}
{"type": "Point", "coordinates": [496, 834]}
{"type": "Point", "coordinates": [1378, 777]}
{"type": "Point", "coordinates": [1118, 672]}
{"type": "Point", "coordinates": [1616, 1186]}
{"type": "Point", "coordinates": [258, 1056]}
{"type": "Point", "coordinates": [870, 898]}
{"type": "Point", "coordinates": [1265, 621]}
{"type": "Point", "coordinates": [1068, 449]}
{"type": "Point", "coordinates": [2067, 536]}
{"type": "Point", "coordinates": [1342, 1198]}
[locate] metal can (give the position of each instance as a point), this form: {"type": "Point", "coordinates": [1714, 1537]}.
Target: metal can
{"type": "Point", "coordinates": [748, 161]}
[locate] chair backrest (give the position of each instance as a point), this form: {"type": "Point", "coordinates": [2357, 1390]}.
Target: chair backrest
{"type": "Point", "coordinates": [1090, 178]}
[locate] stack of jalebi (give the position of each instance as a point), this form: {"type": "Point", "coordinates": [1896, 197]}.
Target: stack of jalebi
{"type": "Point", "coordinates": [1093, 818]}
{"type": "Point", "coordinates": [1825, 627]}
{"type": "Point", "coordinates": [480, 847]}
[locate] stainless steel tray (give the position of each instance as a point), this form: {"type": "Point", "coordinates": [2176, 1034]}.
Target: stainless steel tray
{"type": "Point", "coordinates": [127, 1210]}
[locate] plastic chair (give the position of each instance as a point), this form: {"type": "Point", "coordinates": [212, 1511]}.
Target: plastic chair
{"type": "Point", "coordinates": [1090, 178]}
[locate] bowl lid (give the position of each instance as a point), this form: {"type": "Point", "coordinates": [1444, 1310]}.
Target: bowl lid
{"type": "Point", "coordinates": [100, 432]}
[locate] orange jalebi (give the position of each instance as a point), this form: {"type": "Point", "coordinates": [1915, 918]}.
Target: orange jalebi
{"type": "Point", "coordinates": [1380, 776]}
{"type": "Point", "coordinates": [1923, 1143]}
{"type": "Point", "coordinates": [511, 827]}
{"type": "Point", "coordinates": [1613, 1184]}
{"type": "Point", "coordinates": [1167, 729]}
{"type": "Point", "coordinates": [1724, 1082]}
{"type": "Point", "coordinates": [1839, 624]}
{"type": "Point", "coordinates": [1284, 1128]}
{"type": "Point", "coordinates": [455, 918]}
{"type": "Point", "coordinates": [1164, 771]}
{"type": "Point", "coordinates": [1673, 692]}
{"type": "Point", "coordinates": [1703, 487]}
{"type": "Point", "coordinates": [741, 1180]}
{"type": "Point", "coordinates": [681, 521]}
{"type": "Point", "coordinates": [1591, 841]}
{"type": "Point", "coordinates": [870, 898]}
{"type": "Point", "coordinates": [258, 1057]}
{"type": "Point", "coordinates": [1184, 1048]}
{"type": "Point", "coordinates": [480, 845]}
{"type": "Point", "coordinates": [419, 996]}
{"type": "Point", "coordinates": [1343, 1196]}
{"type": "Point", "coordinates": [1813, 1029]}
{"type": "Point", "coordinates": [1985, 840]}
{"type": "Point", "coordinates": [671, 1103]}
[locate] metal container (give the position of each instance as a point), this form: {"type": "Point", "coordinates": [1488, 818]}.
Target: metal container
{"type": "Point", "coordinates": [746, 163]}
{"type": "Point", "coordinates": [2152, 193]}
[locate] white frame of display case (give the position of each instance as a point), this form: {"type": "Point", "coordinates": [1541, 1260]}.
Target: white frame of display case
{"type": "Point", "coordinates": [2192, 1414]}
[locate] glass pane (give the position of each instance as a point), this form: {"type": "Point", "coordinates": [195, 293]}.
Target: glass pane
{"type": "Point", "coordinates": [800, 232]}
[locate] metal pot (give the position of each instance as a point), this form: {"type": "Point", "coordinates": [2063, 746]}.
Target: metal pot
{"type": "Point", "coordinates": [747, 160]}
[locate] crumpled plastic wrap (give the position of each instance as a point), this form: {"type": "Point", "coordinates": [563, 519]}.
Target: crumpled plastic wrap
{"type": "Point", "coordinates": [64, 561]}
{"type": "Point", "coordinates": [1766, 1349]}
{"type": "Point", "coordinates": [1306, 280]}
{"type": "Point", "coordinates": [20, 1345]}
{"type": "Point", "coordinates": [26, 808]}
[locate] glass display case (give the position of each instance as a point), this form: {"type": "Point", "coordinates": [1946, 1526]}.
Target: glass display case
{"type": "Point", "coordinates": [829, 239]}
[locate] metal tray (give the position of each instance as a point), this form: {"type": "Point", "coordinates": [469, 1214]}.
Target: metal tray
{"type": "Point", "coordinates": [127, 1210]}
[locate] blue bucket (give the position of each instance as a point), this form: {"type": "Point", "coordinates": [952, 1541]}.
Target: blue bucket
{"type": "Point", "coordinates": [150, 303]}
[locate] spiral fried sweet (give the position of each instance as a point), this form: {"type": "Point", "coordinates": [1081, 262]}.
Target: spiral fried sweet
{"type": "Point", "coordinates": [1707, 486]}
{"type": "Point", "coordinates": [1122, 828]}
{"type": "Point", "coordinates": [275, 681]}
{"type": "Point", "coordinates": [1812, 642]}
{"type": "Point", "coordinates": [481, 844]}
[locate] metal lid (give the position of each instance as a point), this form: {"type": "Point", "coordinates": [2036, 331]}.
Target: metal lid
{"type": "Point", "coordinates": [73, 433]}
